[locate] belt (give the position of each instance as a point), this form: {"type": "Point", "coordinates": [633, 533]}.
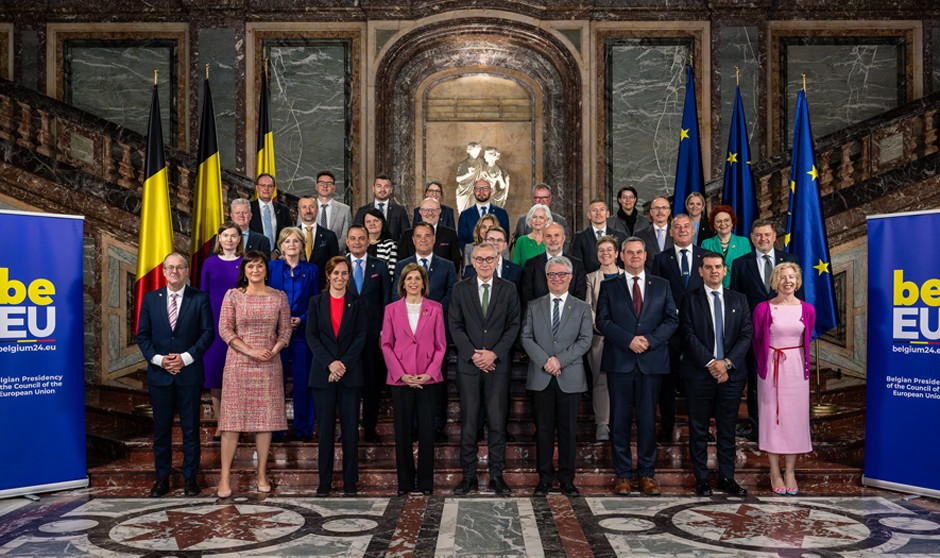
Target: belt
{"type": "Point", "coordinates": [779, 356]}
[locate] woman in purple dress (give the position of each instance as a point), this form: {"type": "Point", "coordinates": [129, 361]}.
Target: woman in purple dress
{"type": "Point", "coordinates": [219, 274]}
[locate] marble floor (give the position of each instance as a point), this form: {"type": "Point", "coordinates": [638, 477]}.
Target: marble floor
{"type": "Point", "coordinates": [92, 523]}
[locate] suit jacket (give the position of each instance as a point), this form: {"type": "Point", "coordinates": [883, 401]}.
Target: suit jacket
{"type": "Point", "coordinates": [523, 229]}
{"type": "Point", "coordinates": [441, 279]}
{"type": "Point", "coordinates": [447, 217]}
{"type": "Point", "coordinates": [704, 231]}
{"type": "Point", "coordinates": [396, 218]}
{"type": "Point", "coordinates": [281, 215]}
{"type": "Point", "coordinates": [584, 246]}
{"type": "Point", "coordinates": [739, 246]}
{"type": "Point", "coordinates": [468, 220]}
{"type": "Point", "coordinates": [534, 283]}
{"type": "Point", "coordinates": [445, 245]}
{"type": "Point", "coordinates": [575, 334]}
{"type": "Point", "coordinates": [747, 277]}
{"type": "Point", "coordinates": [326, 346]}
{"type": "Point", "coordinates": [418, 352]}
{"type": "Point", "coordinates": [652, 246]}
{"type": "Point", "coordinates": [375, 291]}
{"type": "Point", "coordinates": [666, 265]}
{"type": "Point", "coordinates": [510, 271]}
{"type": "Point", "coordinates": [338, 219]}
{"type": "Point", "coordinates": [325, 246]}
{"type": "Point", "coordinates": [259, 242]}
{"type": "Point", "coordinates": [496, 332]}
{"type": "Point", "coordinates": [618, 321]}
{"type": "Point", "coordinates": [642, 222]}
{"type": "Point", "coordinates": [698, 332]}
{"type": "Point", "coordinates": [193, 334]}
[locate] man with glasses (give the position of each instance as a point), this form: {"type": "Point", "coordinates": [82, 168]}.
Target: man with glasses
{"type": "Point", "coordinates": [268, 217]}
{"type": "Point", "coordinates": [542, 194]}
{"type": "Point", "coordinates": [436, 190]}
{"type": "Point", "coordinates": [396, 218]}
{"type": "Point", "coordinates": [657, 236]}
{"type": "Point", "coordinates": [469, 217]}
{"type": "Point", "coordinates": [584, 245]}
{"type": "Point", "coordinates": [484, 323]}
{"type": "Point", "coordinates": [445, 238]}
{"type": "Point", "coordinates": [332, 213]}
{"type": "Point", "coordinates": [505, 269]}
{"type": "Point", "coordinates": [534, 284]}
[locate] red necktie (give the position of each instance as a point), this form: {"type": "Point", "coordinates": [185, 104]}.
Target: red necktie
{"type": "Point", "coordinates": [637, 297]}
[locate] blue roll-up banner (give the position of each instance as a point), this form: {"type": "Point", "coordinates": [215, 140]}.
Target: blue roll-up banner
{"type": "Point", "coordinates": [902, 431]}
{"type": "Point", "coordinates": [42, 376]}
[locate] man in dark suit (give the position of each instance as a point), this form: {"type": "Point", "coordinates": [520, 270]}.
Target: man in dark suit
{"type": "Point", "coordinates": [320, 244]}
{"type": "Point", "coordinates": [435, 190]}
{"type": "Point", "coordinates": [268, 217]}
{"type": "Point", "coordinates": [445, 238]}
{"type": "Point", "coordinates": [750, 275]}
{"type": "Point", "coordinates": [174, 330]}
{"type": "Point", "coordinates": [240, 211]}
{"type": "Point", "coordinates": [534, 284]}
{"type": "Point", "coordinates": [505, 269]}
{"type": "Point", "coordinates": [637, 316]}
{"type": "Point", "coordinates": [396, 218]}
{"type": "Point", "coordinates": [677, 265]}
{"type": "Point", "coordinates": [584, 245]}
{"type": "Point", "coordinates": [370, 281]}
{"type": "Point", "coordinates": [656, 237]}
{"type": "Point", "coordinates": [484, 323]}
{"type": "Point", "coordinates": [467, 221]}
{"type": "Point", "coordinates": [716, 331]}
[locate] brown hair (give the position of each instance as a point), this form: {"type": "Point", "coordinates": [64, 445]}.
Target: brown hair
{"type": "Point", "coordinates": [239, 248]}
{"type": "Point", "coordinates": [251, 257]}
{"type": "Point", "coordinates": [425, 291]}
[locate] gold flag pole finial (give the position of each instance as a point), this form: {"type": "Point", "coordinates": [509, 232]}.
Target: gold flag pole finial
{"type": "Point", "coordinates": [804, 82]}
{"type": "Point", "coordinates": [155, 71]}
{"type": "Point", "coordinates": [266, 67]}
{"type": "Point", "coordinates": [692, 59]}
{"type": "Point", "coordinates": [737, 75]}
{"type": "Point", "coordinates": [207, 71]}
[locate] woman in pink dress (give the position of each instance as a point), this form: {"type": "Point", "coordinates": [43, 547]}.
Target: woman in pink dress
{"type": "Point", "coordinates": [255, 322]}
{"type": "Point", "coordinates": [783, 329]}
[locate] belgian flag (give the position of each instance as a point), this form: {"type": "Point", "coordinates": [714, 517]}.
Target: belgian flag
{"type": "Point", "coordinates": [156, 230]}
{"type": "Point", "coordinates": [207, 195]}
{"type": "Point", "coordinates": [265, 141]}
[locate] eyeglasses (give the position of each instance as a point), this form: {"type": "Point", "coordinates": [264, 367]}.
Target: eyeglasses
{"type": "Point", "coordinates": [428, 209]}
{"type": "Point", "coordinates": [557, 274]}
{"type": "Point", "coordinates": [494, 240]}
{"type": "Point", "coordinates": [542, 198]}
{"type": "Point", "coordinates": [482, 260]}
{"type": "Point", "coordinates": [175, 267]}
{"type": "Point", "coordinates": [660, 208]}
{"type": "Point", "coordinates": [326, 182]}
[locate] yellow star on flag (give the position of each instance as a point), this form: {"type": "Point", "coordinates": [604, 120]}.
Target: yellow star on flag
{"type": "Point", "coordinates": [822, 267]}
{"type": "Point", "coordinates": [793, 185]}
{"type": "Point", "coordinates": [786, 239]}
{"type": "Point", "coordinates": [683, 134]}
{"type": "Point", "coordinates": [732, 157]}
{"type": "Point", "coordinates": [813, 173]}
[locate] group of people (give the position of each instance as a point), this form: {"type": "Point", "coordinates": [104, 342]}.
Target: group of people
{"type": "Point", "coordinates": [632, 309]}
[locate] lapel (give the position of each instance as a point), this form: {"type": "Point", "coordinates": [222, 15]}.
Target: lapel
{"type": "Point", "coordinates": [164, 312]}
{"type": "Point", "coordinates": [184, 306]}
{"type": "Point", "coordinates": [625, 282]}
{"type": "Point", "coordinates": [755, 264]}
{"type": "Point", "coordinates": [423, 318]}
{"type": "Point", "coordinates": [704, 309]}
{"type": "Point", "coordinates": [344, 323]}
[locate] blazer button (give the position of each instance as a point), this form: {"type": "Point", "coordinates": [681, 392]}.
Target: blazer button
{"type": "Point", "coordinates": [414, 342]}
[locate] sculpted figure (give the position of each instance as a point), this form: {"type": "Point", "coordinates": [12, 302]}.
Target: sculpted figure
{"type": "Point", "coordinates": [497, 177]}
{"type": "Point", "coordinates": [468, 171]}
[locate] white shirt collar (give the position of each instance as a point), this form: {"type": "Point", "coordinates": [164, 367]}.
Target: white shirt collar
{"type": "Point", "coordinates": [563, 298]}
{"type": "Point", "coordinates": [429, 257]}
{"type": "Point", "coordinates": [480, 282]}
{"type": "Point", "coordinates": [760, 256]}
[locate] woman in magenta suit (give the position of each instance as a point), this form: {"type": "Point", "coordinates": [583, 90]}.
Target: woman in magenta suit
{"type": "Point", "coordinates": [783, 330]}
{"type": "Point", "coordinates": [414, 345]}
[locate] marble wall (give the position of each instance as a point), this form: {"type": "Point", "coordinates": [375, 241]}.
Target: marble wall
{"type": "Point", "coordinates": [29, 59]}
{"type": "Point", "coordinates": [739, 46]}
{"type": "Point", "coordinates": [217, 47]}
{"type": "Point", "coordinates": [935, 50]}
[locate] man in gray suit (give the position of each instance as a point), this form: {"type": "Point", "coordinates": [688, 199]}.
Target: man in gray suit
{"type": "Point", "coordinates": [556, 335]}
{"type": "Point", "coordinates": [484, 323]}
{"type": "Point", "coordinates": [333, 214]}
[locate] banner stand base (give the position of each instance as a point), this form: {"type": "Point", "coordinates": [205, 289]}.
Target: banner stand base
{"type": "Point", "coordinates": [31, 491]}
{"type": "Point", "coordinates": [867, 481]}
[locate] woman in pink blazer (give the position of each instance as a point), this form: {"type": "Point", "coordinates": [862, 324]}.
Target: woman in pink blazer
{"type": "Point", "coordinates": [414, 345]}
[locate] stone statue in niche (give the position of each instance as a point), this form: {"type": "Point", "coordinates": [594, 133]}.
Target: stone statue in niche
{"type": "Point", "coordinates": [496, 176]}
{"type": "Point", "coordinates": [468, 171]}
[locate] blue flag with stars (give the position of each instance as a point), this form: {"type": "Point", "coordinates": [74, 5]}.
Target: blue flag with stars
{"type": "Point", "coordinates": [689, 176]}
{"type": "Point", "coordinates": [806, 228]}
{"type": "Point", "coordinates": [738, 191]}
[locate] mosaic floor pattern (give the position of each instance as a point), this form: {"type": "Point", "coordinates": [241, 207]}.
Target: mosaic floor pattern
{"type": "Point", "coordinates": [82, 524]}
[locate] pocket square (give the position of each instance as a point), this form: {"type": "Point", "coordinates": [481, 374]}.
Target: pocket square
{"type": "Point", "coordinates": [373, 276]}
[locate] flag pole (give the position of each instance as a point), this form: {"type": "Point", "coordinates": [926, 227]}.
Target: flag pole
{"type": "Point", "coordinates": [737, 76]}
{"type": "Point", "coordinates": [820, 409]}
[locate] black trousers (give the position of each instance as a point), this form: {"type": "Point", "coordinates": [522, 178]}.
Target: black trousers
{"type": "Point", "coordinates": [705, 398]}
{"type": "Point", "coordinates": [166, 402]}
{"type": "Point", "coordinates": [409, 403]}
{"type": "Point", "coordinates": [554, 411]}
{"type": "Point", "coordinates": [495, 389]}
{"type": "Point", "coordinates": [328, 401]}
{"type": "Point", "coordinates": [375, 373]}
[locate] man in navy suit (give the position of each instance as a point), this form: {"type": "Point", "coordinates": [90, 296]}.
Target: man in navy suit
{"type": "Point", "coordinates": [716, 331]}
{"type": "Point", "coordinates": [505, 269]}
{"type": "Point", "coordinates": [240, 210]}
{"type": "Point", "coordinates": [435, 190]}
{"type": "Point", "coordinates": [371, 284]}
{"type": "Point", "coordinates": [656, 237]}
{"type": "Point", "coordinates": [174, 330]}
{"type": "Point", "coordinates": [679, 266]}
{"type": "Point", "coordinates": [637, 316]}
{"type": "Point", "coordinates": [268, 217]}
{"type": "Point", "coordinates": [534, 283]}
{"type": "Point", "coordinates": [469, 216]}
{"type": "Point", "coordinates": [396, 218]}
{"type": "Point", "coordinates": [750, 275]}
{"type": "Point", "coordinates": [320, 244]}
{"type": "Point", "coordinates": [445, 238]}
{"type": "Point", "coordinates": [584, 244]}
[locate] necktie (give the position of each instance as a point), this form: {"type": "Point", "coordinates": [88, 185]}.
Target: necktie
{"type": "Point", "coordinates": [173, 311]}
{"type": "Point", "coordinates": [357, 276]}
{"type": "Point", "coordinates": [245, 240]}
{"type": "Point", "coordinates": [482, 210]}
{"type": "Point", "coordinates": [308, 249]}
{"type": "Point", "coordinates": [661, 239]}
{"type": "Point", "coordinates": [685, 267]}
{"type": "Point", "coordinates": [486, 298]}
{"type": "Point", "coordinates": [637, 297]}
{"type": "Point", "coordinates": [382, 208]}
{"type": "Point", "coordinates": [266, 224]}
{"type": "Point", "coordinates": [719, 328]}
{"type": "Point", "coordinates": [599, 234]}
{"type": "Point", "coordinates": [424, 262]}
{"type": "Point", "coordinates": [768, 269]}
{"type": "Point", "coordinates": [323, 215]}
{"type": "Point", "coordinates": [556, 318]}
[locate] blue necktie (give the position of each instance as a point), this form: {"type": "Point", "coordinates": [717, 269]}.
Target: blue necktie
{"type": "Point", "coordinates": [382, 208]}
{"type": "Point", "coordinates": [482, 210]}
{"type": "Point", "coordinates": [357, 276]}
{"type": "Point", "coordinates": [719, 327]}
{"type": "Point", "coordinates": [685, 267]}
{"type": "Point", "coordinates": [266, 224]}
{"type": "Point", "coordinates": [424, 262]}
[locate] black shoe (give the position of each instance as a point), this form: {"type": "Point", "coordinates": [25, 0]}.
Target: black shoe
{"type": "Point", "coordinates": [499, 486]}
{"type": "Point", "coordinates": [702, 488]}
{"type": "Point", "coordinates": [350, 489]}
{"type": "Point", "coordinates": [323, 490]}
{"type": "Point", "coordinates": [191, 488]}
{"type": "Point", "coordinates": [569, 489]}
{"type": "Point", "coordinates": [160, 488]}
{"type": "Point", "coordinates": [542, 489]}
{"type": "Point", "coordinates": [466, 486]}
{"type": "Point", "coordinates": [728, 486]}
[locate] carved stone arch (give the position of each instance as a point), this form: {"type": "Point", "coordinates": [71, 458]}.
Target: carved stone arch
{"type": "Point", "coordinates": [479, 43]}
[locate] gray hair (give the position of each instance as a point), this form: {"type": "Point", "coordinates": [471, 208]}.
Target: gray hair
{"type": "Point", "coordinates": [484, 245]}
{"type": "Point", "coordinates": [623, 244]}
{"type": "Point", "coordinates": [432, 200]}
{"type": "Point", "coordinates": [240, 201]}
{"type": "Point", "coordinates": [542, 186]}
{"type": "Point", "coordinates": [559, 260]}
{"type": "Point", "coordinates": [536, 207]}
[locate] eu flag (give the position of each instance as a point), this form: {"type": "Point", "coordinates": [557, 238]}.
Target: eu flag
{"type": "Point", "coordinates": [806, 229]}
{"type": "Point", "coordinates": [738, 191]}
{"type": "Point", "coordinates": [689, 176]}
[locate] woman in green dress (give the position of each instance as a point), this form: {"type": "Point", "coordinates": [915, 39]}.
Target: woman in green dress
{"type": "Point", "coordinates": [725, 242]}
{"type": "Point", "coordinates": [539, 217]}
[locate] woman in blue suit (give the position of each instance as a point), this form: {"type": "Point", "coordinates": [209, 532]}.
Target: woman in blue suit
{"type": "Point", "coordinates": [298, 279]}
{"type": "Point", "coordinates": [336, 334]}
